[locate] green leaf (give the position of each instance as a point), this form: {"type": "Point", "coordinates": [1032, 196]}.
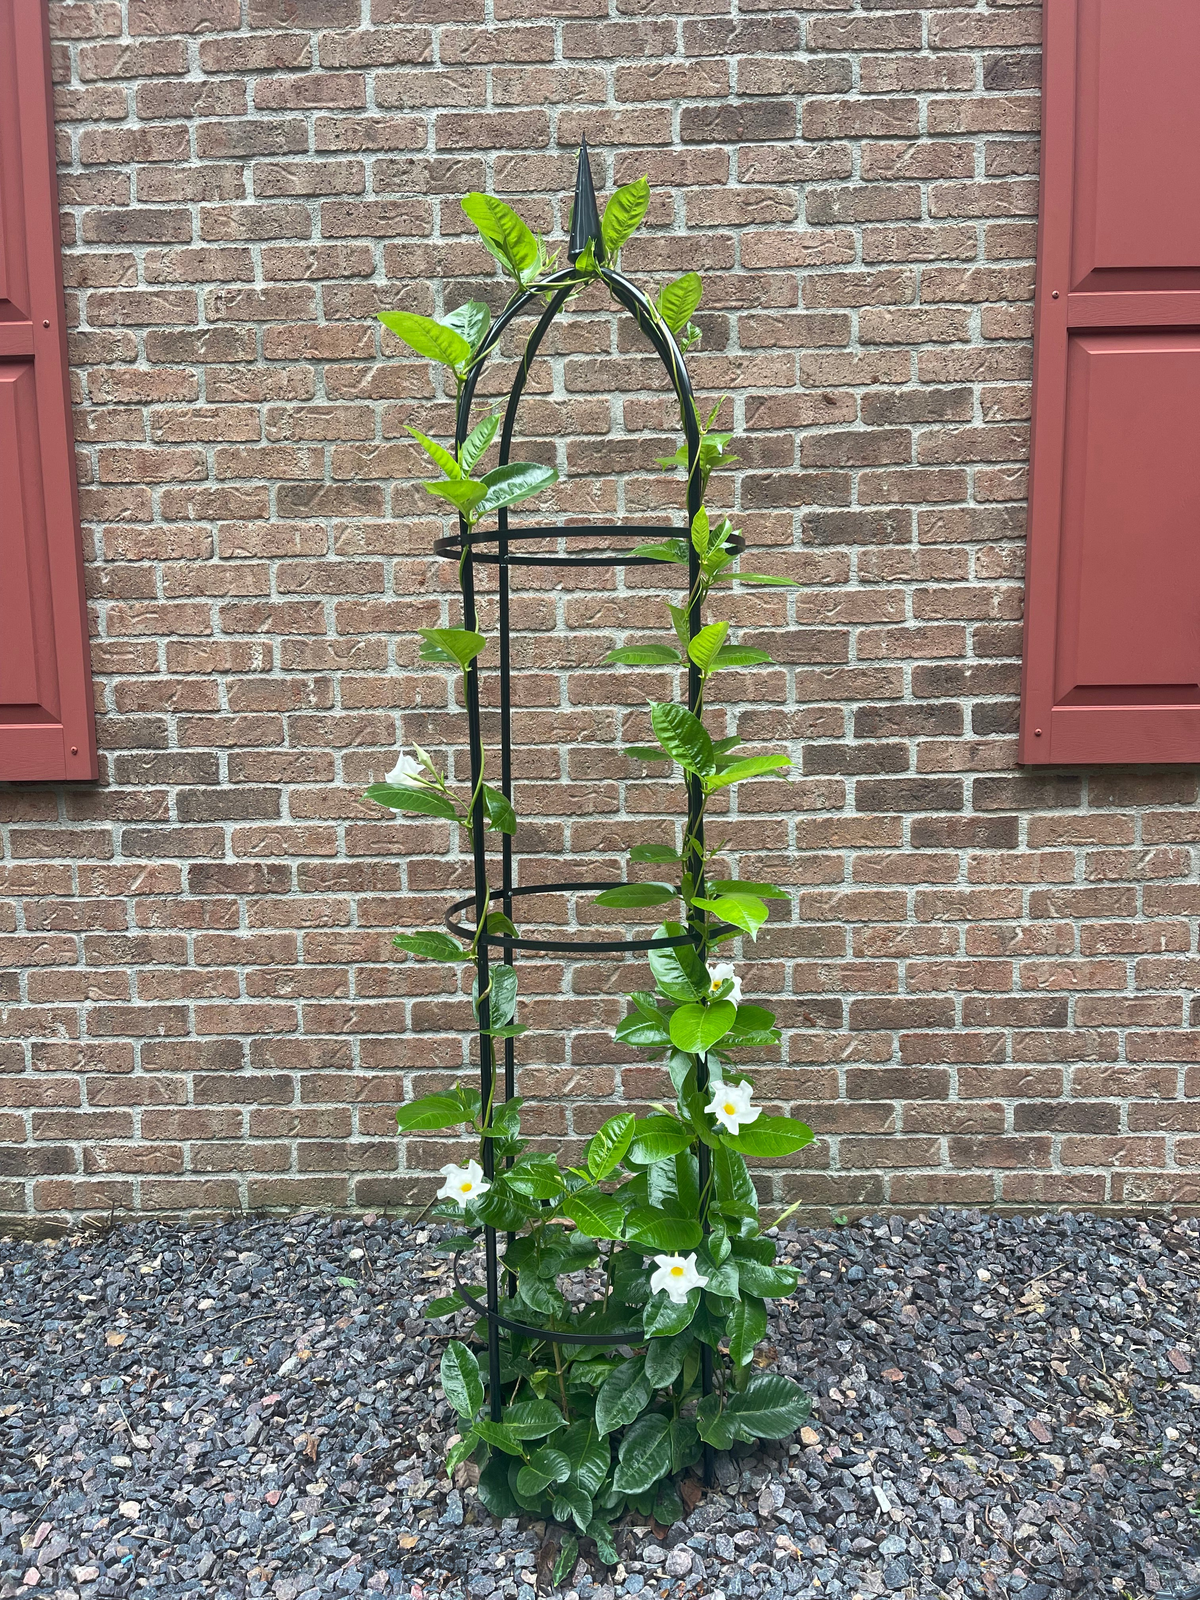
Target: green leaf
{"type": "Point", "coordinates": [501, 816]}
{"type": "Point", "coordinates": [656, 1138]}
{"type": "Point", "coordinates": [647, 752]}
{"type": "Point", "coordinates": [763, 577]}
{"type": "Point", "coordinates": [459, 643]}
{"type": "Point", "coordinates": [472, 320]}
{"type": "Point", "coordinates": [747, 1327]}
{"type": "Point", "coordinates": [625, 209]}
{"type": "Point", "coordinates": [732, 1185]}
{"type": "Point", "coordinates": [644, 1456]}
{"type": "Point", "coordinates": [502, 996]}
{"type": "Point", "coordinates": [683, 736]}
{"type": "Point", "coordinates": [546, 1465]}
{"type": "Point", "coordinates": [622, 1395]}
{"type": "Point", "coordinates": [744, 911]}
{"type": "Point", "coordinates": [739, 655]}
{"type": "Point", "coordinates": [685, 1447]}
{"type": "Point", "coordinates": [475, 444]}
{"type": "Point", "coordinates": [499, 1435]}
{"type": "Point", "coordinates": [769, 1407]}
{"type": "Point", "coordinates": [660, 1232]}
{"type": "Point", "coordinates": [460, 1451]}
{"type": "Point", "coordinates": [434, 1111]}
{"type": "Point", "coordinates": [764, 891]}
{"type": "Point", "coordinates": [588, 1453]}
{"type": "Point", "coordinates": [599, 1530]}
{"type": "Point", "coordinates": [704, 648]}
{"type": "Point", "coordinates": [644, 655]}
{"type": "Point", "coordinates": [712, 1424]}
{"type": "Point", "coordinates": [767, 1282]}
{"type": "Point", "coordinates": [768, 1137]}
{"type": "Point", "coordinates": [494, 1489]}
{"type": "Point", "coordinates": [679, 621]}
{"type": "Point", "coordinates": [443, 1306]}
{"type": "Point", "coordinates": [464, 493]}
{"type": "Point", "coordinates": [428, 338]}
{"type": "Point", "coordinates": [637, 894]}
{"type": "Point", "coordinates": [643, 1033]}
{"type": "Point", "coordinates": [536, 1176]}
{"type": "Point", "coordinates": [654, 852]}
{"type": "Point", "coordinates": [673, 550]}
{"type": "Point", "coordinates": [508, 238]}
{"type": "Point", "coordinates": [516, 481]}
{"type": "Point", "coordinates": [668, 1503]}
{"type": "Point", "coordinates": [608, 1145]}
{"type": "Point", "coordinates": [679, 299]}
{"type": "Point", "coordinates": [425, 802]}
{"type": "Point", "coordinates": [696, 1028]}
{"type": "Point", "coordinates": [594, 1213]}
{"type": "Point", "coordinates": [460, 1379]}
{"type": "Point", "coordinates": [435, 452]}
{"type": "Point", "coordinates": [567, 1556]}
{"type": "Point", "coordinates": [532, 1419]}
{"type": "Point", "coordinates": [663, 1317]}
{"type": "Point", "coordinates": [752, 767]}
{"type": "Point", "coordinates": [701, 531]}
{"type": "Point", "coordinates": [572, 1501]}
{"type": "Point", "coordinates": [678, 970]}
{"type": "Point", "coordinates": [497, 922]}
{"type": "Point", "coordinates": [665, 1357]}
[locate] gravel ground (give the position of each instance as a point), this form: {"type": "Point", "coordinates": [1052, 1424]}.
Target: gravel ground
{"type": "Point", "coordinates": [1002, 1407]}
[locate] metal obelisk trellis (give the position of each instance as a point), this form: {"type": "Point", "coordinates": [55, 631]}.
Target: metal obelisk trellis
{"type": "Point", "coordinates": [502, 548]}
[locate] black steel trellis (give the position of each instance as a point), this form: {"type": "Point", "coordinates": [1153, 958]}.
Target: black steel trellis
{"type": "Point", "coordinates": [471, 547]}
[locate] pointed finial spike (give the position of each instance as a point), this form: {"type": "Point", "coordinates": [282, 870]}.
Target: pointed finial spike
{"type": "Point", "coordinates": [585, 214]}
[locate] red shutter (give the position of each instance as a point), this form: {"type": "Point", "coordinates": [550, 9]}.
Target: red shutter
{"type": "Point", "coordinates": [46, 722]}
{"type": "Point", "coordinates": [1112, 629]}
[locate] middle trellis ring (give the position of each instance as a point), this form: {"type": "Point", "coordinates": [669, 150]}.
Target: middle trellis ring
{"type": "Point", "coordinates": [557, 946]}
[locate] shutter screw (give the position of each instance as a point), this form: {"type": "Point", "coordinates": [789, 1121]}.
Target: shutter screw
{"type": "Point", "coordinates": [74, 749]}
{"type": "Point", "coordinates": [1054, 296]}
{"type": "Point", "coordinates": [1037, 733]}
{"type": "Point", "coordinates": [46, 324]}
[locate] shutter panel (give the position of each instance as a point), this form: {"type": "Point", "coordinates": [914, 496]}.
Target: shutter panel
{"type": "Point", "coordinates": [46, 721]}
{"type": "Point", "coordinates": [1112, 620]}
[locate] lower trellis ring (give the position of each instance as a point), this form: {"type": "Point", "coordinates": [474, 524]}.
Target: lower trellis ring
{"type": "Point", "coordinates": [554, 1335]}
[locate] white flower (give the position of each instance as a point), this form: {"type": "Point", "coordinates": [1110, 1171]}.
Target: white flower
{"type": "Point", "coordinates": [406, 773]}
{"type": "Point", "coordinates": [731, 1105]}
{"type": "Point", "coordinates": [676, 1275]}
{"type": "Point", "coordinates": [463, 1183]}
{"type": "Point", "coordinates": [722, 972]}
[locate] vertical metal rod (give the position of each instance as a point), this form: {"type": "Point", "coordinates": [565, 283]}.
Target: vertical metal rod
{"type": "Point", "coordinates": [486, 1063]}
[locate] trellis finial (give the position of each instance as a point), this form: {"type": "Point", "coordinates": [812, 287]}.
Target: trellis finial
{"type": "Point", "coordinates": [585, 215]}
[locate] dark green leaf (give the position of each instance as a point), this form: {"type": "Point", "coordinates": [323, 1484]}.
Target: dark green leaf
{"type": "Point", "coordinates": [683, 736]}
{"type": "Point", "coordinates": [459, 1452]}
{"type": "Point", "coordinates": [594, 1213]}
{"type": "Point", "coordinates": [664, 1358]}
{"type": "Point", "coordinates": [659, 1232]}
{"type": "Point", "coordinates": [685, 1444]}
{"type": "Point", "coordinates": [768, 1137]}
{"type": "Point", "coordinates": [516, 481]}
{"type": "Point", "coordinates": [678, 970]}
{"type": "Point", "coordinates": [656, 1138]}
{"type": "Point", "coordinates": [500, 814]}
{"type": "Point", "coordinates": [461, 1382]}
{"type": "Point", "coordinates": [644, 1456]}
{"type": "Point", "coordinates": [678, 300]}
{"type": "Point", "coordinates": [433, 1111]}
{"type": "Point", "coordinates": [425, 802]}
{"type": "Point", "coordinates": [643, 1033]}
{"type": "Point", "coordinates": [732, 1185]}
{"type": "Point", "coordinates": [769, 1407]}
{"type": "Point", "coordinates": [443, 1306]}
{"type": "Point", "coordinates": [622, 1395]}
{"type": "Point", "coordinates": [546, 1465]}
{"type": "Point", "coordinates": [570, 1500]}
{"type": "Point", "coordinates": [567, 1556]}
{"type": "Point", "coordinates": [608, 1145]}
{"type": "Point", "coordinates": [662, 1317]}
{"type": "Point", "coordinates": [497, 922]}
{"type": "Point", "coordinates": [768, 1282]}
{"type": "Point", "coordinates": [532, 1419]}
{"type": "Point", "coordinates": [428, 338]}
{"type": "Point", "coordinates": [747, 1326]}
{"type": "Point", "coordinates": [696, 1028]}
{"type": "Point", "coordinates": [636, 894]}
{"type": "Point", "coordinates": [588, 1453]}
{"type": "Point", "coordinates": [668, 1502]}
{"type": "Point", "coordinates": [499, 1435]}
{"type": "Point", "coordinates": [625, 209]}
{"type": "Point", "coordinates": [494, 1489]}
{"type": "Point", "coordinates": [536, 1176]}
{"type": "Point", "coordinates": [600, 1531]}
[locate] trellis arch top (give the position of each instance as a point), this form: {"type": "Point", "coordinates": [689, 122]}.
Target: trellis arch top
{"type": "Point", "coordinates": [491, 546]}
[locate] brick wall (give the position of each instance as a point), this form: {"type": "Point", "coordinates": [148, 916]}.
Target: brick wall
{"type": "Point", "coordinates": [986, 974]}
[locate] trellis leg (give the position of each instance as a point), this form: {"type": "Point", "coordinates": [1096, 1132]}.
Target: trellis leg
{"type": "Point", "coordinates": [487, 1071]}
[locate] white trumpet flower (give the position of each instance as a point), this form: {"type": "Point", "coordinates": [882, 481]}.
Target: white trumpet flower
{"type": "Point", "coordinates": [731, 1105]}
{"type": "Point", "coordinates": [463, 1183]}
{"type": "Point", "coordinates": [676, 1276]}
{"type": "Point", "coordinates": [721, 973]}
{"type": "Point", "coordinates": [407, 773]}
